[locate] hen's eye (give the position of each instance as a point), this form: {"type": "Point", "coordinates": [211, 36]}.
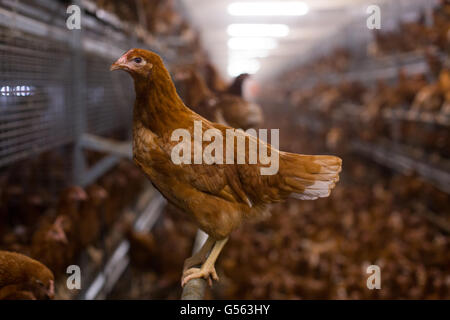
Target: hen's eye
{"type": "Point", "coordinates": [137, 60]}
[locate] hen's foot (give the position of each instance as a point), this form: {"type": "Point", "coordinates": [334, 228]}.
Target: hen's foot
{"type": "Point", "coordinates": [200, 257]}
{"type": "Point", "coordinates": [206, 272]}
{"type": "Point", "coordinates": [193, 261]}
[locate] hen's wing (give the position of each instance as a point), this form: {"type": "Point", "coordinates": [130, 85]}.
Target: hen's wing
{"type": "Point", "coordinates": [304, 177]}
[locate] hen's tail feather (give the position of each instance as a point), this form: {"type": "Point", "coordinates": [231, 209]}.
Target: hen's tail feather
{"type": "Point", "coordinates": [311, 177]}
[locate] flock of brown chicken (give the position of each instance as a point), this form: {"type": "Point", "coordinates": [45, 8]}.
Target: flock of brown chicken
{"type": "Point", "coordinates": [410, 36]}
{"type": "Point", "coordinates": [54, 230]}
{"type": "Point", "coordinates": [313, 250]}
{"type": "Point", "coordinates": [322, 249]}
{"type": "Point", "coordinates": [46, 225]}
{"type": "Point", "coordinates": [155, 16]}
{"type": "Point", "coordinates": [426, 34]}
{"type": "Point", "coordinates": [412, 111]}
{"type": "Point", "coordinates": [219, 103]}
{"type": "Point", "coordinates": [327, 245]}
{"type": "Point", "coordinates": [305, 250]}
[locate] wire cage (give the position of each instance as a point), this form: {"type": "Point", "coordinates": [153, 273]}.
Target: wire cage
{"type": "Point", "coordinates": [58, 99]}
{"type": "Point", "coordinates": [33, 110]}
{"type": "Point", "coordinates": [68, 90]}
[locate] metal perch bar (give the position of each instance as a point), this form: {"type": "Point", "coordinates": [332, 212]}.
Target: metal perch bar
{"type": "Point", "coordinates": [106, 279]}
{"type": "Point", "coordinates": [110, 146]}
{"type": "Point", "coordinates": [195, 289]}
{"type": "Point", "coordinates": [115, 150]}
{"type": "Point", "coordinates": [404, 163]}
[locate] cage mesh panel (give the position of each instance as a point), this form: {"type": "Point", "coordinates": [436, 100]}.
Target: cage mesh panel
{"type": "Point", "coordinates": [35, 91]}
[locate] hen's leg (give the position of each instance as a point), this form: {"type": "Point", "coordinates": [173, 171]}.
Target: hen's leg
{"type": "Point", "coordinates": [200, 256]}
{"type": "Point", "coordinates": [207, 270]}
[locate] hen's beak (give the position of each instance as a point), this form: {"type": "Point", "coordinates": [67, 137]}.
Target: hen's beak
{"type": "Point", "coordinates": [119, 64]}
{"type": "Point", "coordinates": [116, 66]}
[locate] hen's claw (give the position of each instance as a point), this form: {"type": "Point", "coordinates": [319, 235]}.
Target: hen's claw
{"type": "Point", "coordinates": [191, 262]}
{"type": "Point", "coordinates": [205, 272]}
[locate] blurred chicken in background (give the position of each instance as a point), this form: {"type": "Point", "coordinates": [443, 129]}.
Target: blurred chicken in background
{"type": "Point", "coordinates": [23, 278]}
{"type": "Point", "coordinates": [50, 245]}
{"type": "Point", "coordinates": [229, 107]}
{"type": "Point", "coordinates": [91, 215]}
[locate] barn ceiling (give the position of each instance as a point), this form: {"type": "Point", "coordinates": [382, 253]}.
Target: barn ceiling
{"type": "Point", "coordinates": [318, 26]}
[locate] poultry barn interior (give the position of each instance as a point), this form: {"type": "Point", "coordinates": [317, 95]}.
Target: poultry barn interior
{"type": "Point", "coordinates": [322, 72]}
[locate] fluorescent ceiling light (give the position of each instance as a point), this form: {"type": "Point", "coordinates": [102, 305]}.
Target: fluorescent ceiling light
{"type": "Point", "coordinates": [17, 91]}
{"type": "Point", "coordinates": [238, 66]}
{"type": "Point", "coordinates": [268, 8]}
{"type": "Point", "coordinates": [258, 30]}
{"type": "Point", "coordinates": [248, 53]}
{"type": "Point", "coordinates": [252, 43]}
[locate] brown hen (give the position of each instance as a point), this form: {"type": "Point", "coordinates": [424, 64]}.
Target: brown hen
{"type": "Point", "coordinates": [24, 278]}
{"type": "Point", "coordinates": [228, 108]}
{"type": "Point", "coordinates": [218, 196]}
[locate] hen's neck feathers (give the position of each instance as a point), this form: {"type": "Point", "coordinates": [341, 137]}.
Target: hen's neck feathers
{"type": "Point", "coordinates": [158, 106]}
